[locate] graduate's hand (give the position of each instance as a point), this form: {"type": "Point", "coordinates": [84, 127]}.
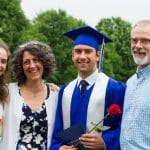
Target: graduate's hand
{"type": "Point", "coordinates": [65, 147]}
{"type": "Point", "coordinates": [92, 141]}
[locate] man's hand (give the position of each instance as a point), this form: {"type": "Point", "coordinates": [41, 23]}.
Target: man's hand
{"type": "Point", "coordinates": [92, 141]}
{"type": "Point", "coordinates": [65, 147]}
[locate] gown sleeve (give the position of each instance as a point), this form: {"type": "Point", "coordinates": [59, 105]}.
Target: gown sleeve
{"type": "Point", "coordinates": [114, 95]}
{"type": "Point", "coordinates": [58, 126]}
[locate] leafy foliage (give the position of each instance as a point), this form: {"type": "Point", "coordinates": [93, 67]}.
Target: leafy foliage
{"type": "Point", "coordinates": [118, 60]}
{"type": "Point", "coordinates": [49, 27]}
{"type": "Point", "coordinates": [13, 21]}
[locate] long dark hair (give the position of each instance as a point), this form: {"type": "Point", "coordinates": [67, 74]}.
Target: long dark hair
{"type": "Point", "coordinates": [4, 78]}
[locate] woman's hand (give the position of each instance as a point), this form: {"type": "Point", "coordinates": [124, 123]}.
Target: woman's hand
{"type": "Point", "coordinates": [53, 87]}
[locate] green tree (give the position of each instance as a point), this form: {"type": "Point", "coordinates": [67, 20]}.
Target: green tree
{"type": "Point", "coordinates": [112, 61]}
{"type": "Point", "coordinates": [13, 21]}
{"type": "Point", "coordinates": [32, 33]}
{"type": "Point", "coordinates": [118, 59]}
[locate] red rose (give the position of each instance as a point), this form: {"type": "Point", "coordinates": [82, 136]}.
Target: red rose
{"type": "Point", "coordinates": [114, 109]}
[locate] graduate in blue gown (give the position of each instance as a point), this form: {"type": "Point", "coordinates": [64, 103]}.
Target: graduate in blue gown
{"type": "Point", "coordinates": [79, 104]}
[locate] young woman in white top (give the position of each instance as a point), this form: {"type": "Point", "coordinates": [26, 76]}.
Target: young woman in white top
{"type": "Point", "coordinates": [4, 72]}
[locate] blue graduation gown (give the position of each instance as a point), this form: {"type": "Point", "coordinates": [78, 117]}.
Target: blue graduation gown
{"type": "Point", "coordinates": [79, 104]}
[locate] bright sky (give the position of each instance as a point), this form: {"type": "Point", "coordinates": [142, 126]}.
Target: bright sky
{"type": "Point", "coordinates": [91, 11]}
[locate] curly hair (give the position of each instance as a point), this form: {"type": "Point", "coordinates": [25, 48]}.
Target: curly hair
{"type": "Point", "coordinates": [40, 50]}
{"type": "Point", "coordinates": [4, 78]}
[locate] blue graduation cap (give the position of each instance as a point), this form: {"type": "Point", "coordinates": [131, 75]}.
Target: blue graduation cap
{"type": "Point", "coordinates": [87, 35]}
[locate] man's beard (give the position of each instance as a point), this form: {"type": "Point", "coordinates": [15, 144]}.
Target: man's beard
{"type": "Point", "coordinates": [141, 61]}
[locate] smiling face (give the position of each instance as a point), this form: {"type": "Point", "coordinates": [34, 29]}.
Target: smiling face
{"type": "Point", "coordinates": [32, 67]}
{"type": "Point", "coordinates": [85, 59]}
{"type": "Point", "coordinates": [140, 44]}
{"type": "Point", "coordinates": [3, 60]}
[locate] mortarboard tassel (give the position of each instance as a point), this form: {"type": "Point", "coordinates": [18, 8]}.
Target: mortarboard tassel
{"type": "Point", "coordinates": [101, 67]}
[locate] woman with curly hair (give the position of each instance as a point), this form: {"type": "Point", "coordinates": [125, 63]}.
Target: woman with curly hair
{"type": "Point", "coordinates": [31, 109]}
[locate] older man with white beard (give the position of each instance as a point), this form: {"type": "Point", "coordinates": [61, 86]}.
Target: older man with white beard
{"type": "Point", "coordinates": [135, 129]}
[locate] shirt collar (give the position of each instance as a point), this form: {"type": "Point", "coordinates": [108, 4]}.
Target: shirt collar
{"type": "Point", "coordinates": [90, 79]}
{"type": "Point", "coordinates": [144, 72]}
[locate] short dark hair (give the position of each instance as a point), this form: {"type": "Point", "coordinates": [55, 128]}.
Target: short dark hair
{"type": "Point", "coordinates": [38, 49]}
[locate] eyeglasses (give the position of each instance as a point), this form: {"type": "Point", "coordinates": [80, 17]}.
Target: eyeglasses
{"type": "Point", "coordinates": [142, 41]}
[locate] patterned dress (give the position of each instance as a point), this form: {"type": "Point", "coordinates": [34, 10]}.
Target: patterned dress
{"type": "Point", "coordinates": [33, 128]}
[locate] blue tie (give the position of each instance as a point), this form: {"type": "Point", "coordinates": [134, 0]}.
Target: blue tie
{"type": "Point", "coordinates": [83, 85]}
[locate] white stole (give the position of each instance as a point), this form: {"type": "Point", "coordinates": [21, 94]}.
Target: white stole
{"type": "Point", "coordinates": [96, 103]}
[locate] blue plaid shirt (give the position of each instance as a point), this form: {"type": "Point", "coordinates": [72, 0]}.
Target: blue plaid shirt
{"type": "Point", "coordinates": [135, 131]}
